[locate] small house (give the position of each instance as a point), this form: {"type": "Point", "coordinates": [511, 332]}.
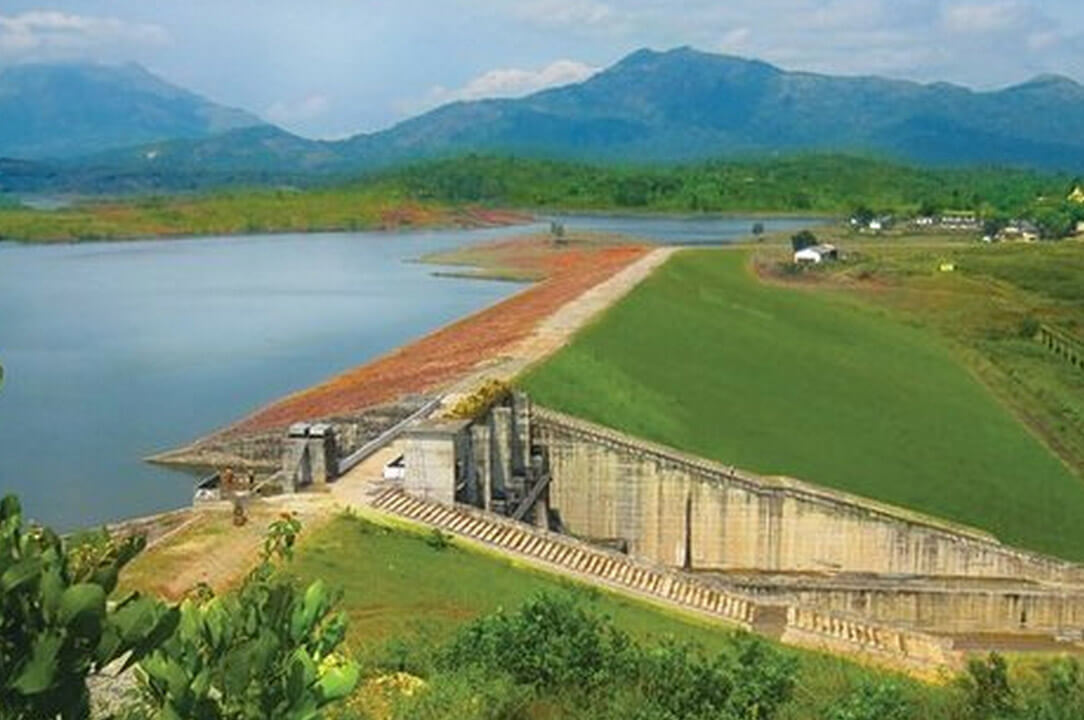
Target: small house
{"type": "Point", "coordinates": [1020, 231]}
{"type": "Point", "coordinates": [1077, 196]}
{"type": "Point", "coordinates": [960, 220]}
{"type": "Point", "coordinates": [816, 254]}
{"type": "Point", "coordinates": [1080, 228]}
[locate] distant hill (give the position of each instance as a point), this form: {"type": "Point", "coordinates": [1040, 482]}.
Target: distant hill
{"type": "Point", "coordinates": [73, 109]}
{"type": "Point", "coordinates": [678, 106]}
{"type": "Point", "coordinates": [685, 105]}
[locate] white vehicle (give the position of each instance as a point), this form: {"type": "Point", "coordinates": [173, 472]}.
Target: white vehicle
{"type": "Point", "coordinates": [396, 469]}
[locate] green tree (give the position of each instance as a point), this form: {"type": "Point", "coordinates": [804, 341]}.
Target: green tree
{"type": "Point", "coordinates": [991, 226]}
{"type": "Point", "coordinates": [267, 650]}
{"type": "Point", "coordinates": [928, 208]}
{"type": "Point", "coordinates": [802, 240]}
{"type": "Point", "coordinates": [863, 214]}
{"type": "Point", "coordinates": [55, 625]}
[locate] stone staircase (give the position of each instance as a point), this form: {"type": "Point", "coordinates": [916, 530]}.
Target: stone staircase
{"type": "Point", "coordinates": [571, 555]}
{"type": "Point", "coordinates": [796, 625]}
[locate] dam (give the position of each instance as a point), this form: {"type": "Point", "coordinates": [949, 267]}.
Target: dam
{"type": "Point", "coordinates": [785, 548]}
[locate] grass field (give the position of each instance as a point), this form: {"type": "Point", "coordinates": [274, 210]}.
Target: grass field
{"type": "Point", "coordinates": [396, 587]}
{"type": "Point", "coordinates": [984, 309]}
{"type": "Point", "coordinates": [818, 385]}
{"type": "Point", "coordinates": [228, 212]}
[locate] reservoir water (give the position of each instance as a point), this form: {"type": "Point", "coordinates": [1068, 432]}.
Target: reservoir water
{"type": "Point", "coordinates": [115, 351]}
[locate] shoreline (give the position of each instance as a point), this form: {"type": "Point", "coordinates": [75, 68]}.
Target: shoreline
{"type": "Point", "coordinates": [440, 359]}
{"type": "Point", "coordinates": [462, 219]}
{"type": "Point", "coordinates": [473, 219]}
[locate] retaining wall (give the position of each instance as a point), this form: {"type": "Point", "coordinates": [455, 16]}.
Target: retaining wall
{"type": "Point", "coordinates": [935, 606]}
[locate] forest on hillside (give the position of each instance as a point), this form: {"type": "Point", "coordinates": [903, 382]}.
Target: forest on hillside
{"type": "Point", "coordinates": [424, 193]}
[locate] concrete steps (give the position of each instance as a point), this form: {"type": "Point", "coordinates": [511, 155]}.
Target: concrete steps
{"type": "Point", "coordinates": [572, 555]}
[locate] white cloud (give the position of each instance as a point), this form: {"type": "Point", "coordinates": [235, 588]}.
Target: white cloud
{"type": "Point", "coordinates": [984, 18]}
{"type": "Point", "coordinates": [735, 39]}
{"type": "Point", "coordinates": [1041, 40]}
{"type": "Point", "coordinates": [565, 12]}
{"type": "Point", "coordinates": [505, 82]}
{"type": "Point", "coordinates": [48, 34]}
{"type": "Point", "coordinates": [966, 41]}
{"type": "Point", "coordinates": [285, 112]}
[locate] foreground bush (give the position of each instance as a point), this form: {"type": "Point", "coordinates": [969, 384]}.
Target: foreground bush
{"type": "Point", "coordinates": [267, 650]}
{"type": "Point", "coordinates": [56, 627]}
{"type": "Point", "coordinates": [1055, 692]}
{"type": "Point", "coordinates": [574, 663]}
{"type": "Point", "coordinates": [550, 643]}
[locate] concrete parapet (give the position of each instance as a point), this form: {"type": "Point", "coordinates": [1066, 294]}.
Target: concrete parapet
{"type": "Point", "coordinates": [820, 630]}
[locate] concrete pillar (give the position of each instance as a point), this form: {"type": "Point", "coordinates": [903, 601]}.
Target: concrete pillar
{"type": "Point", "coordinates": [521, 433]}
{"type": "Point", "coordinates": [542, 512]}
{"type": "Point", "coordinates": [323, 454]}
{"type": "Point", "coordinates": [480, 450]}
{"type": "Point", "coordinates": [501, 446]}
{"type": "Point", "coordinates": [296, 462]}
{"type": "Point", "coordinates": [432, 451]}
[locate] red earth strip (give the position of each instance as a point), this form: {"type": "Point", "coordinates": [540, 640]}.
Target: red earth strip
{"type": "Point", "coordinates": [452, 351]}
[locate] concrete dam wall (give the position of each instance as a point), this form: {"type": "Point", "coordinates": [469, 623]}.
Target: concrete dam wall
{"type": "Point", "coordinates": [684, 511]}
{"type": "Point", "coordinates": [778, 543]}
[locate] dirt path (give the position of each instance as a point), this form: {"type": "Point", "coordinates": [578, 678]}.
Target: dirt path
{"type": "Point", "coordinates": [556, 330]}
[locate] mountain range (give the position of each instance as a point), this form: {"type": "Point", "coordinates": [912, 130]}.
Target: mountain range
{"type": "Point", "coordinates": [124, 126]}
{"type": "Point", "coordinates": [71, 109]}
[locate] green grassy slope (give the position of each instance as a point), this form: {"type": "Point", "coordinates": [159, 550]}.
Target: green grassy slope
{"type": "Point", "coordinates": [705, 358]}
{"type": "Point", "coordinates": [397, 588]}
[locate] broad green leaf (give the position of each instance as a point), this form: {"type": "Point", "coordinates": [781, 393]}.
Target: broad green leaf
{"type": "Point", "coordinates": [339, 681]}
{"type": "Point", "coordinates": [20, 573]}
{"type": "Point", "coordinates": [38, 674]}
{"type": "Point", "coordinates": [82, 608]}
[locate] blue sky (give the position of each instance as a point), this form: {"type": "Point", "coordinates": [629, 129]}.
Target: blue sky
{"type": "Point", "coordinates": [329, 68]}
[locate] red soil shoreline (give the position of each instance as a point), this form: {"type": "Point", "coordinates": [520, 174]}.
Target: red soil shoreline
{"type": "Point", "coordinates": [449, 353]}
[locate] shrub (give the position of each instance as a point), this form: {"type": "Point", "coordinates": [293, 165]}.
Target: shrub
{"type": "Point", "coordinates": [1029, 327]}
{"type": "Point", "coordinates": [763, 678]}
{"type": "Point", "coordinates": [55, 625]}
{"type": "Point", "coordinates": [267, 650]}
{"type": "Point", "coordinates": [802, 240]}
{"type": "Point", "coordinates": [549, 643]}
{"type": "Point", "coordinates": [989, 694]}
{"type": "Point", "coordinates": [471, 695]}
{"type": "Point", "coordinates": [570, 657]}
{"type": "Point", "coordinates": [872, 701]}
{"type": "Point", "coordinates": [679, 682]}
{"type": "Point", "coordinates": [438, 540]}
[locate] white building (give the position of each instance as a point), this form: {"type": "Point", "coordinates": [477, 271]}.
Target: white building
{"type": "Point", "coordinates": [816, 254]}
